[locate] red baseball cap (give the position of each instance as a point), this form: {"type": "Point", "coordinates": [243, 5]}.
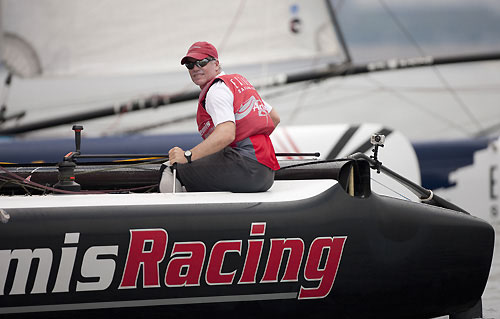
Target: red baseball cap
{"type": "Point", "coordinates": [199, 51]}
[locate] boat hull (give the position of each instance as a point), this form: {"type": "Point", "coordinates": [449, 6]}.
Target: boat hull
{"type": "Point", "coordinates": [335, 254]}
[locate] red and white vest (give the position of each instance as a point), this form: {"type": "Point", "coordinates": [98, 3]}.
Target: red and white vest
{"type": "Point", "coordinates": [253, 122]}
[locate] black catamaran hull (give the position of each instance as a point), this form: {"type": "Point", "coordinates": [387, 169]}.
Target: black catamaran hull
{"type": "Point", "coordinates": [343, 256]}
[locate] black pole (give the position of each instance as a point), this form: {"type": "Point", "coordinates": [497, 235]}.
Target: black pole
{"type": "Point", "coordinates": [151, 102]}
{"type": "Point", "coordinates": [338, 31]}
{"type": "Point", "coordinates": [425, 195]}
{"type": "Point", "coordinates": [277, 80]}
{"type": "Point", "coordinates": [316, 154]}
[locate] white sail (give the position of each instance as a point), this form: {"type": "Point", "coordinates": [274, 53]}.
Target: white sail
{"type": "Point", "coordinates": [87, 37]}
{"type": "Point", "coordinates": [130, 37]}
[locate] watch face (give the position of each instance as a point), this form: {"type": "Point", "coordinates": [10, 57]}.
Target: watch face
{"type": "Point", "coordinates": [187, 155]}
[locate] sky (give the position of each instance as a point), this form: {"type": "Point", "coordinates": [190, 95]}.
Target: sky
{"type": "Point", "coordinates": [408, 27]}
{"type": "Point", "coordinates": [421, 3]}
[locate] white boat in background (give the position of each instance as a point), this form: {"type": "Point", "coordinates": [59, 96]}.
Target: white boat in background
{"type": "Point", "coordinates": [477, 186]}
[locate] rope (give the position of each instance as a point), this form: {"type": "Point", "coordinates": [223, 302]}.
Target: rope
{"type": "Point", "coordinates": [18, 180]}
{"type": "Point", "coordinates": [392, 190]}
{"type": "Point", "coordinates": [232, 25]}
{"type": "Point", "coordinates": [439, 75]}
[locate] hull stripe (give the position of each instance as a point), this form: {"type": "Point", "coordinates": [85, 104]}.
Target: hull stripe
{"type": "Point", "coordinates": [146, 303]}
{"type": "Point", "coordinates": [342, 142]}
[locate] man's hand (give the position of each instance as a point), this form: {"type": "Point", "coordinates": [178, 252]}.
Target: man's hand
{"type": "Point", "coordinates": [176, 155]}
{"type": "Point", "coordinates": [222, 136]}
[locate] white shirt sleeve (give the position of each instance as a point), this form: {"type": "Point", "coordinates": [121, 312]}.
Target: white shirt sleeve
{"type": "Point", "coordinates": [219, 103]}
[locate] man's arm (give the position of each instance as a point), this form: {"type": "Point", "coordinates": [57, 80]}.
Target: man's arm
{"type": "Point", "coordinates": [222, 136]}
{"type": "Point", "coordinates": [275, 117]}
{"type": "Point", "coordinates": [273, 113]}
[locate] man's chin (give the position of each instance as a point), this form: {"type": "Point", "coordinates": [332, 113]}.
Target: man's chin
{"type": "Point", "coordinates": [200, 82]}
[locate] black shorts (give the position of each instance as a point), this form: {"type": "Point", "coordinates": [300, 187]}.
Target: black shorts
{"type": "Point", "coordinates": [226, 170]}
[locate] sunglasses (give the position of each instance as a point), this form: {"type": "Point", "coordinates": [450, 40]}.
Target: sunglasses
{"type": "Point", "coordinates": [199, 63]}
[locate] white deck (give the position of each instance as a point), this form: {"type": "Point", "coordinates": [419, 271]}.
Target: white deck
{"type": "Point", "coordinates": [281, 191]}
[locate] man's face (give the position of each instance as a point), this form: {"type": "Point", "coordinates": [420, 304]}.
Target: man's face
{"type": "Point", "coordinates": [201, 76]}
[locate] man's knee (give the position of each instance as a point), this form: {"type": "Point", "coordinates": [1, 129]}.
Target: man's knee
{"type": "Point", "coordinates": [168, 181]}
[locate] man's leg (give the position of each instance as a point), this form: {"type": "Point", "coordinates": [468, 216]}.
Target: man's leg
{"type": "Point", "coordinates": [167, 180]}
{"type": "Point", "coordinates": [226, 170]}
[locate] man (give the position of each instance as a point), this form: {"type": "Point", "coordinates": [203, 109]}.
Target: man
{"type": "Point", "coordinates": [236, 154]}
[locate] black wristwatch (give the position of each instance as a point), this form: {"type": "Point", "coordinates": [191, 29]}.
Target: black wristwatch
{"type": "Point", "coordinates": [187, 155]}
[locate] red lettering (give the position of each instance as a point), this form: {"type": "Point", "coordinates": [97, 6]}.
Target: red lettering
{"type": "Point", "coordinates": [258, 229]}
{"type": "Point", "coordinates": [295, 246]}
{"type": "Point", "coordinates": [147, 250]}
{"type": "Point", "coordinates": [214, 275]}
{"type": "Point", "coordinates": [192, 264]}
{"type": "Point", "coordinates": [326, 275]}
{"type": "Point", "coordinates": [149, 259]}
{"type": "Point", "coordinates": [253, 254]}
{"type": "Point", "coordinates": [252, 261]}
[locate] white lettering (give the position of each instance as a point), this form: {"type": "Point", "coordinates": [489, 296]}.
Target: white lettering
{"type": "Point", "coordinates": [25, 258]}
{"type": "Point", "coordinates": [92, 267]}
{"type": "Point", "coordinates": [67, 263]}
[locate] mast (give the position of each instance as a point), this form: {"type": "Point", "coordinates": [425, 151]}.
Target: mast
{"type": "Point", "coordinates": [338, 32]}
{"type": "Point", "coordinates": [345, 68]}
